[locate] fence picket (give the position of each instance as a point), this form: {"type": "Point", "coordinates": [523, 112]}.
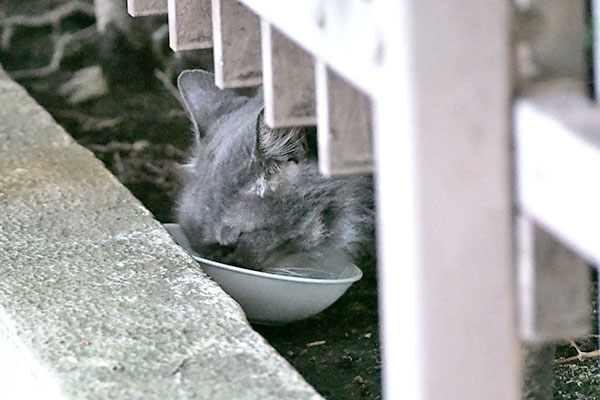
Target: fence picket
{"type": "Point", "coordinates": [190, 24]}
{"type": "Point", "coordinates": [236, 32]}
{"type": "Point", "coordinates": [554, 287]}
{"type": "Point", "coordinates": [141, 8]}
{"type": "Point", "coordinates": [288, 79]}
{"type": "Point", "coordinates": [344, 125]}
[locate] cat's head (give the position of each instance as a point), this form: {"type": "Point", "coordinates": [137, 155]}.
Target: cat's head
{"type": "Point", "coordinates": [236, 160]}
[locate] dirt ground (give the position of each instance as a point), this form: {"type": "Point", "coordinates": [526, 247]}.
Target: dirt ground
{"type": "Point", "coordinates": [139, 130]}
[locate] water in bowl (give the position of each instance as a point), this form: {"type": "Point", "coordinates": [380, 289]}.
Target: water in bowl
{"type": "Point", "coordinates": [304, 272]}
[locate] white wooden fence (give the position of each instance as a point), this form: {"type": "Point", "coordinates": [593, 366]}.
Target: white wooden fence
{"type": "Point", "coordinates": [473, 117]}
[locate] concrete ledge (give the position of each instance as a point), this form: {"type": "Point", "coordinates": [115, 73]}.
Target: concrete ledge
{"type": "Point", "coordinates": [96, 301]}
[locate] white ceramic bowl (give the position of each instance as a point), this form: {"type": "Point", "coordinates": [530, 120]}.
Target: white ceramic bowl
{"type": "Point", "coordinates": [275, 298]}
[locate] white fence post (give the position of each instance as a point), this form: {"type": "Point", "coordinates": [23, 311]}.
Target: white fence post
{"type": "Point", "coordinates": [444, 200]}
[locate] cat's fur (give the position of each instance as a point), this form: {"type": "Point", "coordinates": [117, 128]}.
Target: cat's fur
{"type": "Point", "coordinates": [253, 196]}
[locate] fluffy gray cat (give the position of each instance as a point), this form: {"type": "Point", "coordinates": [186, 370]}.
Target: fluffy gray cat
{"type": "Point", "coordinates": [253, 196]}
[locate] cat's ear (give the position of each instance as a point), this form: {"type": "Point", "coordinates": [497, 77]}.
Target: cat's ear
{"type": "Point", "coordinates": [204, 101]}
{"type": "Point", "coordinates": [279, 144]}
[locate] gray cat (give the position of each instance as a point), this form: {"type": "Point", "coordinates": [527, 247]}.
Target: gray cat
{"type": "Point", "coordinates": [253, 196]}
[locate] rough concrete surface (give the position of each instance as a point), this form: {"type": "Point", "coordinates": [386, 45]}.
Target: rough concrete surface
{"type": "Point", "coordinates": [96, 300]}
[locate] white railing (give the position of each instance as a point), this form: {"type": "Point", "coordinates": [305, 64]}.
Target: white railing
{"type": "Point", "coordinates": [427, 87]}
